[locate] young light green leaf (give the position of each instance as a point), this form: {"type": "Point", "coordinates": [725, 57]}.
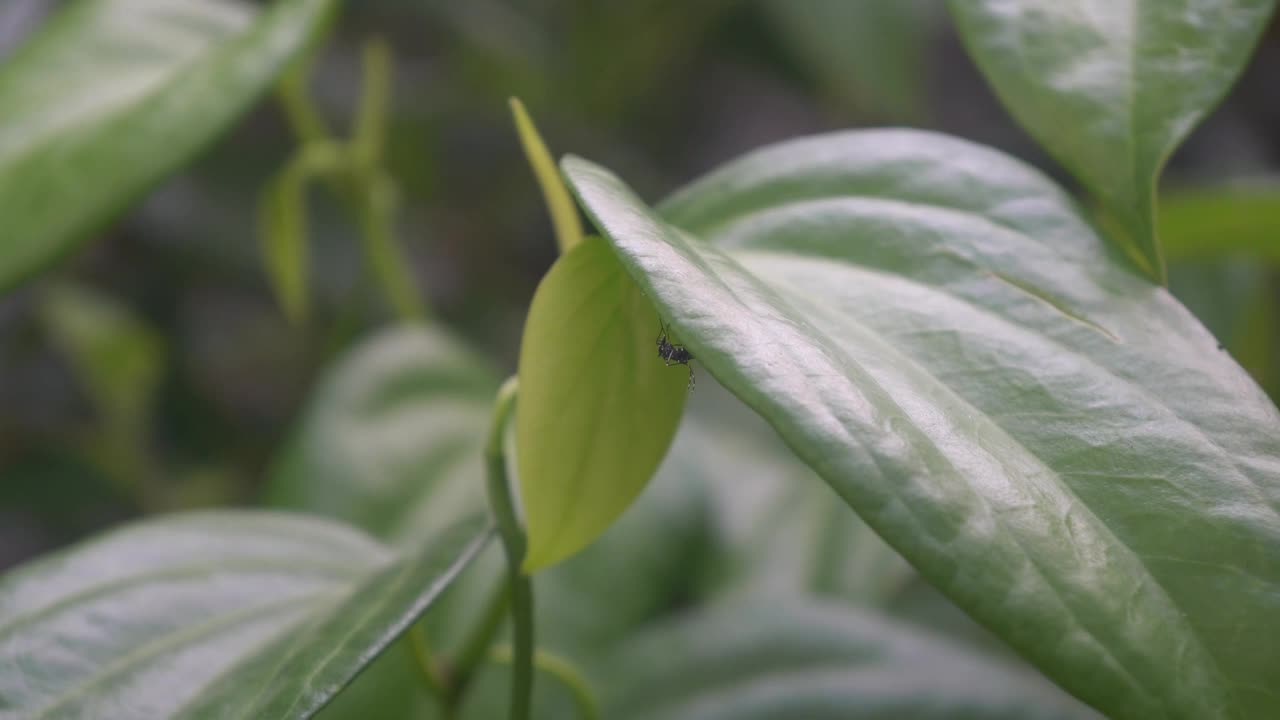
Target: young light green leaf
{"type": "Point", "coordinates": [1111, 87]}
{"type": "Point", "coordinates": [113, 95]}
{"type": "Point", "coordinates": [795, 659]}
{"type": "Point", "coordinates": [1051, 440]}
{"type": "Point", "coordinates": [597, 407]}
{"type": "Point", "coordinates": [564, 214]}
{"type": "Point", "coordinates": [218, 614]}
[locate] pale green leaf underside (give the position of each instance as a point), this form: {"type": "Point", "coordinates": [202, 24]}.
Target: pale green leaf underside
{"type": "Point", "coordinates": [1052, 440]}
{"type": "Point", "coordinates": [597, 406]}
{"type": "Point", "coordinates": [800, 659]}
{"type": "Point", "coordinates": [112, 95]}
{"type": "Point", "coordinates": [1111, 87]}
{"type": "Point", "coordinates": [211, 615]}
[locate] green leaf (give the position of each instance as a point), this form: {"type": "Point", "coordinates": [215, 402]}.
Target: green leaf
{"type": "Point", "coordinates": [1211, 222]}
{"type": "Point", "coordinates": [391, 438]}
{"type": "Point", "coordinates": [779, 661]}
{"type": "Point", "coordinates": [1049, 438]}
{"type": "Point", "coordinates": [202, 615]}
{"type": "Point", "coordinates": [776, 529]}
{"type": "Point", "coordinates": [597, 406]}
{"type": "Point", "coordinates": [1111, 88]}
{"type": "Point", "coordinates": [564, 214]}
{"type": "Point", "coordinates": [117, 357]}
{"type": "Point", "coordinates": [636, 570]}
{"type": "Point", "coordinates": [110, 96]}
{"type": "Point", "coordinates": [1235, 299]}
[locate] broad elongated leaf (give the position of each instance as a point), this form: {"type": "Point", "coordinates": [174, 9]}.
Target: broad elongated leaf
{"type": "Point", "coordinates": [1111, 87]}
{"type": "Point", "coordinates": [775, 527]}
{"type": "Point", "coordinates": [391, 440]}
{"type": "Point", "coordinates": [112, 95]}
{"type": "Point", "coordinates": [804, 660]}
{"type": "Point", "coordinates": [597, 407]}
{"type": "Point", "coordinates": [204, 615]}
{"type": "Point", "coordinates": [1047, 436]}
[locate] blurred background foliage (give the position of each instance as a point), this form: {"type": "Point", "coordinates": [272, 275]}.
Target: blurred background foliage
{"type": "Point", "coordinates": [163, 366]}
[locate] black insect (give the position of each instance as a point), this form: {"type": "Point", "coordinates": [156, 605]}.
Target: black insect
{"type": "Point", "coordinates": [673, 354]}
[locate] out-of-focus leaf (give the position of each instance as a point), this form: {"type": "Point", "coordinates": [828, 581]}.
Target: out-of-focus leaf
{"type": "Point", "coordinates": [868, 53]}
{"type": "Point", "coordinates": [1213, 222]}
{"type": "Point", "coordinates": [1111, 87]}
{"type": "Point", "coordinates": [784, 660]}
{"type": "Point", "coordinates": [117, 357]}
{"type": "Point", "coordinates": [392, 436]}
{"type": "Point", "coordinates": [560, 205]}
{"type": "Point", "coordinates": [1049, 438]}
{"type": "Point", "coordinates": [597, 408]}
{"type": "Point", "coordinates": [211, 615]}
{"type": "Point", "coordinates": [1235, 298]}
{"type": "Point", "coordinates": [110, 96]}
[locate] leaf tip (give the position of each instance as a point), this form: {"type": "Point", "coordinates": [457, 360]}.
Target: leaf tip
{"type": "Point", "coordinates": [560, 204]}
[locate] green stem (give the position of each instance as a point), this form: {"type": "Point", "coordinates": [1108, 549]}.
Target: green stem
{"type": "Point", "coordinates": [564, 671]}
{"type": "Point", "coordinates": [513, 542]}
{"type": "Point", "coordinates": [376, 215]}
{"type": "Point", "coordinates": [427, 664]}
{"type": "Point", "coordinates": [368, 136]}
{"type": "Point", "coordinates": [477, 645]}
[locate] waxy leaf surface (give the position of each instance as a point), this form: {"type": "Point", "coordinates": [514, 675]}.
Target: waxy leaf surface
{"type": "Point", "coordinates": [1049, 437]}
{"type": "Point", "coordinates": [1112, 87]}
{"type": "Point", "coordinates": [211, 615]}
{"type": "Point", "coordinates": [110, 96]}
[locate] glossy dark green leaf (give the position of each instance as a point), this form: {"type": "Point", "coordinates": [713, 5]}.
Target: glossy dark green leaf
{"type": "Point", "coordinates": [1047, 436]}
{"type": "Point", "coordinates": [1111, 87]}
{"type": "Point", "coordinates": [204, 615]}
{"type": "Point", "coordinates": [780, 661]}
{"type": "Point", "coordinates": [775, 528]}
{"type": "Point", "coordinates": [598, 407]}
{"type": "Point", "coordinates": [112, 95]}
